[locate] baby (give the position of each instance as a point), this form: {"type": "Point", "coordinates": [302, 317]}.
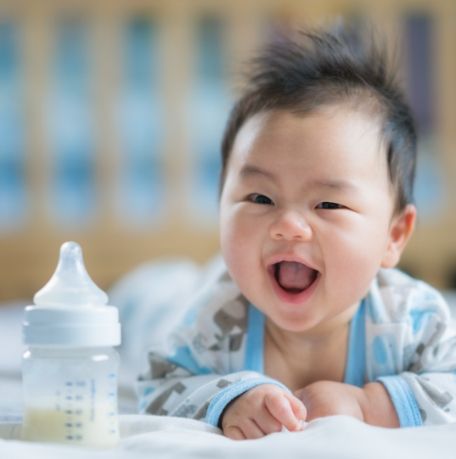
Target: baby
{"type": "Point", "coordinates": [309, 318]}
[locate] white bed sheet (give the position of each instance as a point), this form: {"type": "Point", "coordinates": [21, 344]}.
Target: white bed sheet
{"type": "Point", "coordinates": [338, 437]}
{"type": "Point", "coordinates": [163, 437]}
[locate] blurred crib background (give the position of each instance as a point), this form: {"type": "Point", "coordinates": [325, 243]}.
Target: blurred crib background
{"type": "Point", "coordinates": [111, 114]}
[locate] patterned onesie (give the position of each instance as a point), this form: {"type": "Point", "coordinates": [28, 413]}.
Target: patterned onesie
{"type": "Point", "coordinates": [213, 351]}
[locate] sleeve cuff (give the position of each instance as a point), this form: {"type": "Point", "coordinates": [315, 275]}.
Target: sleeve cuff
{"type": "Point", "coordinates": [225, 396]}
{"type": "Point", "coordinates": [404, 401]}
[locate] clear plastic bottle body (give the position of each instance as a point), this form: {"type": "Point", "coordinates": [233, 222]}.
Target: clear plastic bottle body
{"type": "Point", "coordinates": [70, 395]}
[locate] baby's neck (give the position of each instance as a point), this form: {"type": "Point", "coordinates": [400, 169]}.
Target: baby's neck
{"type": "Point", "coordinates": [298, 359]}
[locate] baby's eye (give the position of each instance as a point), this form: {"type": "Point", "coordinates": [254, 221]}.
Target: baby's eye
{"type": "Point", "coordinates": [329, 205]}
{"type": "Point", "coordinates": [259, 199]}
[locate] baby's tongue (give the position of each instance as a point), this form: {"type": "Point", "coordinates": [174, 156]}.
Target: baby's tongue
{"type": "Point", "coordinates": [295, 276]}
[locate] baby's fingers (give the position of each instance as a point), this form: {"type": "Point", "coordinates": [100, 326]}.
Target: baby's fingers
{"type": "Point", "coordinates": [280, 408]}
{"type": "Point", "coordinates": [297, 406]}
{"type": "Point", "coordinates": [248, 429]}
{"type": "Point", "coordinates": [234, 432]}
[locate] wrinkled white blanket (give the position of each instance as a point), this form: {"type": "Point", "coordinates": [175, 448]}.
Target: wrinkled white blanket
{"type": "Point", "coordinates": [340, 437]}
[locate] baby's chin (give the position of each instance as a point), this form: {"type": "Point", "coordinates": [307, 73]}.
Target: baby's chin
{"type": "Point", "coordinates": [312, 322]}
{"type": "Point", "coordinates": [293, 325]}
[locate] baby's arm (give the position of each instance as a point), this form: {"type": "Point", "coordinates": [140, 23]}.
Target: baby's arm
{"type": "Point", "coordinates": [423, 393]}
{"type": "Point", "coordinates": [260, 411]}
{"type": "Point", "coordinates": [178, 386]}
{"type": "Point", "coordinates": [410, 324]}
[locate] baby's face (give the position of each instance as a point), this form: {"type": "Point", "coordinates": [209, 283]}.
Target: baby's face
{"type": "Point", "coordinates": [306, 213]}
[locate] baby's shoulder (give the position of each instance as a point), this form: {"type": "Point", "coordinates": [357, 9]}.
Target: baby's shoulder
{"type": "Point", "coordinates": [217, 311]}
{"type": "Point", "coordinates": [214, 327]}
{"type": "Point", "coordinates": [397, 297]}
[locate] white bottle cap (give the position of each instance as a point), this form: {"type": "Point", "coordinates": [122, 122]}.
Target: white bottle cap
{"type": "Point", "coordinates": [70, 310]}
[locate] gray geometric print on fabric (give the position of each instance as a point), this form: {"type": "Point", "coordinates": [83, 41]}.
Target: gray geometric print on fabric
{"type": "Point", "coordinates": [185, 411]}
{"type": "Point", "coordinates": [236, 342]}
{"type": "Point", "coordinates": [417, 365]}
{"type": "Point", "coordinates": [222, 383]}
{"type": "Point", "coordinates": [201, 413]}
{"type": "Point", "coordinates": [156, 407]}
{"type": "Point", "coordinates": [160, 368]}
{"type": "Point", "coordinates": [434, 337]}
{"type": "Point", "coordinates": [229, 321]}
{"type": "Point", "coordinates": [441, 399]}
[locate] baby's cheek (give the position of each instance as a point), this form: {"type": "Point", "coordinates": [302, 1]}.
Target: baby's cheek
{"type": "Point", "coordinates": [232, 251]}
{"type": "Point", "coordinates": [241, 267]}
{"type": "Point", "coordinates": [354, 281]}
{"type": "Point", "coordinates": [235, 241]}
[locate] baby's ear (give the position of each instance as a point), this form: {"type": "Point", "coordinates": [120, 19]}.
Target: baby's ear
{"type": "Point", "coordinates": [401, 229]}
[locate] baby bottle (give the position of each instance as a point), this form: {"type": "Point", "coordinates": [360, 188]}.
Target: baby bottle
{"type": "Point", "coordinates": [69, 366]}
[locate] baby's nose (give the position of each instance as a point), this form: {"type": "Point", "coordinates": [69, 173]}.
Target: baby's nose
{"type": "Point", "coordinates": [291, 226]}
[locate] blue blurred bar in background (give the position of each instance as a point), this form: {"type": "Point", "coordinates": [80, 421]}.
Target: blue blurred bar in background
{"type": "Point", "coordinates": [70, 124]}
{"type": "Point", "coordinates": [141, 188]}
{"type": "Point", "coordinates": [419, 36]}
{"type": "Point", "coordinates": [419, 30]}
{"type": "Point", "coordinates": [13, 195]}
{"type": "Point", "coordinates": [210, 103]}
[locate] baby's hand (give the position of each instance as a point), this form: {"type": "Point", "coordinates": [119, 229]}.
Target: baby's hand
{"type": "Point", "coordinates": [262, 410]}
{"type": "Point", "coordinates": [370, 403]}
{"type": "Point", "coordinates": [327, 398]}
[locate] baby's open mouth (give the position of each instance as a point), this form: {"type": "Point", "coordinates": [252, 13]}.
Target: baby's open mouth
{"type": "Point", "coordinates": [294, 277]}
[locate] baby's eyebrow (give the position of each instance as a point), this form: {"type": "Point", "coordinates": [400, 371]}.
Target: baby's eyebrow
{"type": "Point", "coordinates": [340, 185]}
{"type": "Point", "coordinates": [250, 170]}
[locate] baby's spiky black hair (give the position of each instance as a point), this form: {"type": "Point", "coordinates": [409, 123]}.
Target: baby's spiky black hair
{"type": "Point", "coordinates": [302, 71]}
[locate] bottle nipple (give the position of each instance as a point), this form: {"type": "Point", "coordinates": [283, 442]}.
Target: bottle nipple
{"type": "Point", "coordinates": [70, 285]}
